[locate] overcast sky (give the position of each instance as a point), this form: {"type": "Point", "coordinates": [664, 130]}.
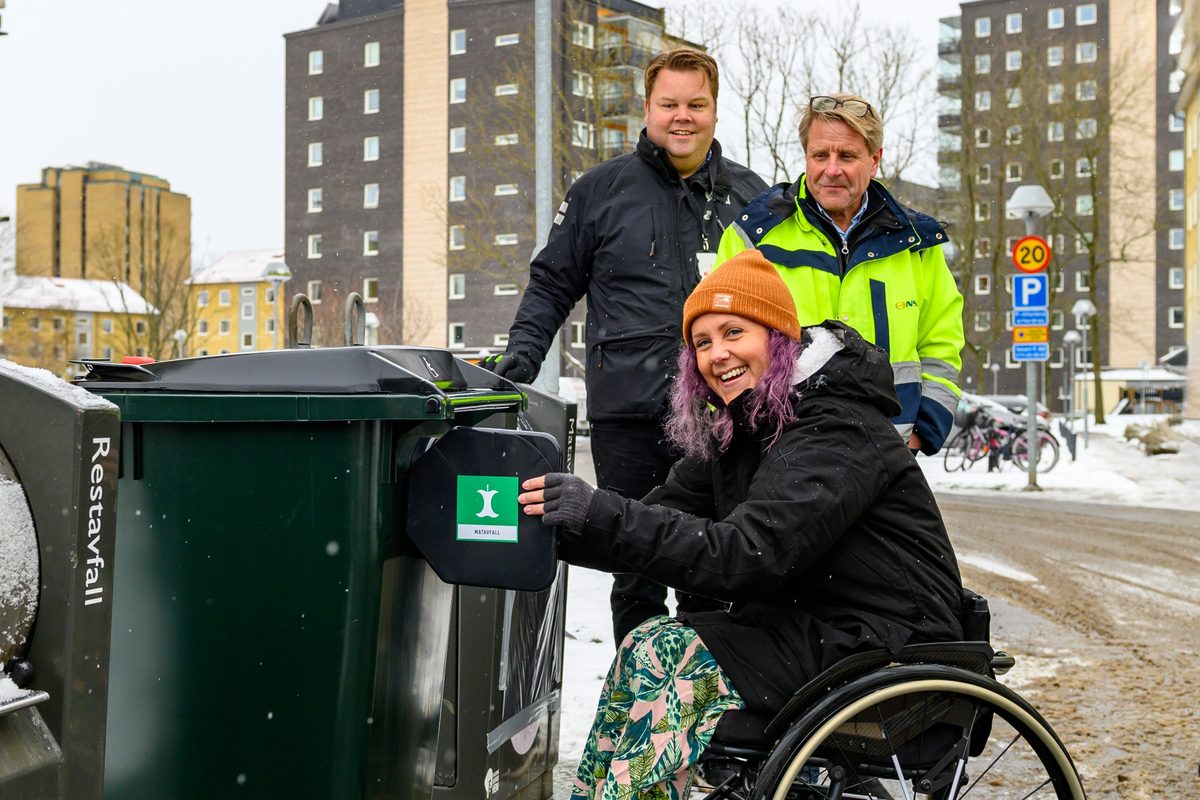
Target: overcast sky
{"type": "Point", "coordinates": [191, 92]}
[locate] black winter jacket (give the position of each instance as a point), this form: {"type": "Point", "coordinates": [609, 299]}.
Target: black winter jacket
{"type": "Point", "coordinates": [626, 236]}
{"type": "Point", "coordinates": [828, 543]}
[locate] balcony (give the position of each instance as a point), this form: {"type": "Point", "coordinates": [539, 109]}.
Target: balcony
{"type": "Point", "coordinates": [950, 46]}
{"type": "Point", "coordinates": [615, 147]}
{"type": "Point", "coordinates": [949, 122]}
{"type": "Point", "coordinates": [624, 54]}
{"type": "Point", "coordinates": [949, 86]}
{"type": "Point", "coordinates": [622, 105]}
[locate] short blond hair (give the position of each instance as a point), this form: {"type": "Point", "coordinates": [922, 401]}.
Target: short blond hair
{"type": "Point", "coordinates": [869, 127]}
{"type": "Point", "coordinates": [683, 59]}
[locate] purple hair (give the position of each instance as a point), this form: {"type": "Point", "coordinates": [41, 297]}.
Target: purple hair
{"type": "Point", "coordinates": [699, 419]}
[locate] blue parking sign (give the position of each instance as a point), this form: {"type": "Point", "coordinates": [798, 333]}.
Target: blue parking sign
{"type": "Point", "coordinates": [1031, 291]}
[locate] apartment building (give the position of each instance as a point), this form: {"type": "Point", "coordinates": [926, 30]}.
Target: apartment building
{"type": "Point", "coordinates": [1188, 104]}
{"type": "Point", "coordinates": [410, 152]}
{"type": "Point", "coordinates": [101, 221]}
{"type": "Point", "coordinates": [1079, 97]}
{"type": "Point", "coordinates": [237, 303]}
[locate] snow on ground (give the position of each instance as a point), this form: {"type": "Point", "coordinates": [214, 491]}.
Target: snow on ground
{"type": "Point", "coordinates": [1110, 470]}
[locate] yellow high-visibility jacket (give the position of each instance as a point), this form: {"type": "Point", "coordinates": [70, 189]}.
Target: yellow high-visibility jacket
{"type": "Point", "coordinates": [889, 281]}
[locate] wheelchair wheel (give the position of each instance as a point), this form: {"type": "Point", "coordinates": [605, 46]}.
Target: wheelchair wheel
{"type": "Point", "coordinates": [920, 731]}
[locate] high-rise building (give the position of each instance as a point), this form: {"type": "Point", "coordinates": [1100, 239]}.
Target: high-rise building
{"type": "Point", "coordinates": [101, 222]}
{"type": "Point", "coordinates": [1187, 34]}
{"type": "Point", "coordinates": [410, 152]}
{"type": "Point", "coordinates": [1080, 98]}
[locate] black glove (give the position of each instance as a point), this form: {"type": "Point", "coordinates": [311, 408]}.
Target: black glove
{"type": "Point", "coordinates": [568, 498]}
{"type": "Point", "coordinates": [517, 367]}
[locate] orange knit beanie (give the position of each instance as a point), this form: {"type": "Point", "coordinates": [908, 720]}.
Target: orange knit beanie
{"type": "Point", "coordinates": [746, 285]}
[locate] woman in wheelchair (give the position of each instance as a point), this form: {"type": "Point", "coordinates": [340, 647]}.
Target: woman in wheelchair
{"type": "Point", "coordinates": [797, 503]}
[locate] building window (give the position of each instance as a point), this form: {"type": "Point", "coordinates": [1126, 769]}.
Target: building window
{"type": "Point", "coordinates": [458, 42]}
{"type": "Point", "coordinates": [983, 137]}
{"type": "Point", "coordinates": [314, 154]}
{"type": "Point", "coordinates": [983, 64]}
{"type": "Point", "coordinates": [202, 299]}
{"type": "Point", "coordinates": [1054, 93]}
{"type": "Point", "coordinates": [505, 239]}
{"type": "Point", "coordinates": [506, 89]}
{"type": "Point", "coordinates": [508, 39]}
{"type": "Point", "coordinates": [371, 101]}
{"type": "Point", "coordinates": [1085, 129]}
{"type": "Point", "coordinates": [983, 100]}
{"type": "Point", "coordinates": [316, 108]}
{"type": "Point", "coordinates": [1012, 135]}
{"type": "Point", "coordinates": [247, 311]}
{"type": "Point", "coordinates": [1012, 173]}
{"type": "Point", "coordinates": [1175, 160]}
{"type": "Point", "coordinates": [270, 325]}
{"type": "Point", "coordinates": [1081, 280]}
{"type": "Point", "coordinates": [314, 245]}
{"type": "Point", "coordinates": [983, 284]}
{"type": "Point", "coordinates": [506, 289]}
{"type": "Point", "coordinates": [223, 327]}
{"type": "Point", "coordinates": [1175, 239]}
{"type": "Point", "coordinates": [583, 134]}
{"type": "Point", "coordinates": [1012, 23]}
{"type": "Point", "coordinates": [1175, 122]}
{"type": "Point", "coordinates": [578, 335]}
{"type": "Point", "coordinates": [1013, 96]}
{"type": "Point", "coordinates": [983, 27]}
{"type": "Point", "coordinates": [456, 334]}
{"type": "Point", "coordinates": [1058, 318]}
{"type": "Point", "coordinates": [506, 189]}
{"type": "Point", "coordinates": [225, 298]}
{"type": "Point", "coordinates": [458, 286]}
{"type": "Point", "coordinates": [1175, 278]}
{"type": "Point", "coordinates": [1083, 243]}
{"type": "Point", "coordinates": [370, 195]}
{"type": "Point", "coordinates": [1085, 90]}
{"type": "Point", "coordinates": [316, 62]}
{"type": "Point", "coordinates": [1084, 205]}
{"type": "Point", "coordinates": [500, 340]}
{"type": "Point", "coordinates": [506, 139]}
{"type": "Point", "coordinates": [1083, 168]}
{"type": "Point", "coordinates": [582, 84]}
{"type": "Point", "coordinates": [247, 341]}
{"type": "Point", "coordinates": [370, 243]}
{"type": "Point", "coordinates": [371, 54]}
{"type": "Point", "coordinates": [1085, 53]}
{"type": "Point", "coordinates": [1175, 317]}
{"type": "Point", "coordinates": [269, 295]}
{"type": "Point", "coordinates": [458, 237]}
{"type": "Point", "coordinates": [371, 148]}
{"type": "Point", "coordinates": [1055, 18]}
{"type": "Point", "coordinates": [583, 34]}
{"type": "Point", "coordinates": [7, 322]}
{"type": "Point", "coordinates": [458, 188]}
{"type": "Point", "coordinates": [314, 291]}
{"type": "Point", "coordinates": [35, 323]}
{"type": "Point", "coordinates": [314, 201]}
{"type": "Point", "coordinates": [1055, 168]}
{"type": "Point", "coordinates": [1056, 357]}
{"type": "Point", "coordinates": [1085, 14]}
{"type": "Point", "coordinates": [983, 320]}
{"type": "Point", "coordinates": [458, 140]}
{"type": "Point", "coordinates": [247, 291]}
{"type": "Point", "coordinates": [1175, 199]}
{"type": "Point", "coordinates": [370, 290]}
{"type": "Point", "coordinates": [458, 90]}
{"type": "Point", "coordinates": [1054, 55]}
{"type": "Point", "coordinates": [202, 327]}
{"type": "Point", "coordinates": [983, 247]}
{"type": "Point", "coordinates": [983, 212]}
{"type": "Point", "coordinates": [983, 173]}
{"type": "Point", "coordinates": [1012, 60]}
{"type": "Point", "coordinates": [106, 326]}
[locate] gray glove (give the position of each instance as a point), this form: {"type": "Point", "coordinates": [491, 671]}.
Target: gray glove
{"type": "Point", "coordinates": [568, 498]}
{"type": "Point", "coordinates": [517, 367]}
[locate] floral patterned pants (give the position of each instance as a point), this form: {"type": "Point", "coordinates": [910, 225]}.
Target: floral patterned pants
{"type": "Point", "coordinates": [658, 710]}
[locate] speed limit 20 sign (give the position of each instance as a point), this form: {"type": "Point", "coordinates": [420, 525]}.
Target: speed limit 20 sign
{"type": "Point", "coordinates": [1031, 254]}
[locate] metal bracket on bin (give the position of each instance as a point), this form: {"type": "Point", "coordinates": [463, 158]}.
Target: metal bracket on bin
{"type": "Point", "coordinates": [355, 334]}
{"type": "Point", "coordinates": [293, 339]}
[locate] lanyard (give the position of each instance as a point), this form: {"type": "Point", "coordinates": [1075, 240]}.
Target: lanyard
{"type": "Point", "coordinates": [703, 217]}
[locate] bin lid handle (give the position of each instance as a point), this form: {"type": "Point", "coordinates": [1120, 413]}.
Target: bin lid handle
{"type": "Point", "coordinates": [294, 341]}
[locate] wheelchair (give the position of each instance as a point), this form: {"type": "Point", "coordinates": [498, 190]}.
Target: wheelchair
{"type": "Point", "coordinates": [928, 722]}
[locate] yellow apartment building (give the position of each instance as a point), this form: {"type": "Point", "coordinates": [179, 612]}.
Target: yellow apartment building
{"type": "Point", "coordinates": [1188, 34]}
{"type": "Point", "coordinates": [49, 321]}
{"type": "Point", "coordinates": [101, 222]}
{"type": "Point", "coordinates": [234, 303]}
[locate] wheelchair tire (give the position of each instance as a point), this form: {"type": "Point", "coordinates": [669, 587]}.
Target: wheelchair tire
{"type": "Point", "coordinates": [915, 731]}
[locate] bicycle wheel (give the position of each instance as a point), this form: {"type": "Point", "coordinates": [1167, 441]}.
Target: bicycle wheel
{"type": "Point", "coordinates": [1047, 451]}
{"type": "Point", "coordinates": [956, 452]}
{"type": "Point", "coordinates": [921, 731]}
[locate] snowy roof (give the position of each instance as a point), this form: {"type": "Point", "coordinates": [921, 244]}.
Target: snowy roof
{"type": "Point", "coordinates": [240, 266]}
{"type": "Point", "coordinates": [72, 294]}
{"type": "Point", "coordinates": [1149, 375]}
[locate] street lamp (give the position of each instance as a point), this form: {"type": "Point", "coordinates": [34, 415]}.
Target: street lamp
{"type": "Point", "coordinates": [1029, 203]}
{"type": "Point", "coordinates": [277, 274]}
{"type": "Point", "coordinates": [1071, 339]}
{"type": "Point", "coordinates": [180, 336]}
{"type": "Point", "coordinates": [1084, 310]}
{"type": "Point", "coordinates": [995, 377]}
{"type": "Point", "coordinates": [372, 334]}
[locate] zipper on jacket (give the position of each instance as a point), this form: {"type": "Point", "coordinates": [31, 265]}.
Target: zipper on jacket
{"type": "Point", "coordinates": [600, 347]}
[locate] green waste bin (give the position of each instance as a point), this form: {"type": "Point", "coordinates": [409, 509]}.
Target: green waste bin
{"type": "Point", "coordinates": [275, 633]}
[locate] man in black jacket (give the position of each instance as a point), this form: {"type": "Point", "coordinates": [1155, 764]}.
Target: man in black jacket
{"type": "Point", "coordinates": [634, 235]}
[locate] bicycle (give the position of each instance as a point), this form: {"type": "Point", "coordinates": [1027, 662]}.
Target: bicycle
{"type": "Point", "coordinates": [1048, 451]}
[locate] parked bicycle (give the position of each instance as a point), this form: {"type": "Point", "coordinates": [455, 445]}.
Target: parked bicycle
{"type": "Point", "coordinates": [982, 435]}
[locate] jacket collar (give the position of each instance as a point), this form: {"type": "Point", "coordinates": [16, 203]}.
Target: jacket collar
{"type": "Point", "coordinates": [719, 178]}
